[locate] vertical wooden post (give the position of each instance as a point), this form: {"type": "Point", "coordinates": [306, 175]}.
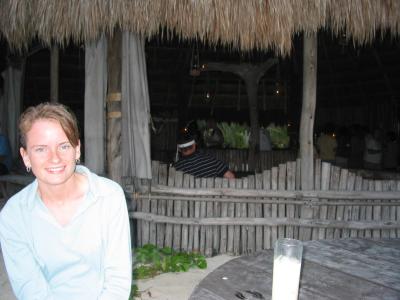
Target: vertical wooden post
{"type": "Point", "coordinates": [114, 69]}
{"type": "Point", "coordinates": [308, 111]}
{"type": "Point", "coordinates": [251, 80]}
{"type": "Point", "coordinates": [54, 73]}
{"type": "Point", "coordinates": [307, 124]}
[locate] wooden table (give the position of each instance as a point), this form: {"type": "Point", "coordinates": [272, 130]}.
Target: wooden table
{"type": "Point", "coordinates": [331, 269]}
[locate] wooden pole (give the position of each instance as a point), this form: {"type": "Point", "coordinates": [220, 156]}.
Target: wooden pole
{"type": "Point", "coordinates": [54, 73]}
{"type": "Point", "coordinates": [114, 70]}
{"type": "Point", "coordinates": [308, 111]}
{"type": "Point", "coordinates": [307, 124]}
{"type": "Point", "coordinates": [251, 80]}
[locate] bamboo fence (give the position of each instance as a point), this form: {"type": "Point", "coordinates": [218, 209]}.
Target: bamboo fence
{"type": "Point", "coordinates": [237, 159]}
{"type": "Point", "coordinates": [241, 216]}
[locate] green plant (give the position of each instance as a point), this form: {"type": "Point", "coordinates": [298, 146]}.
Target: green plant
{"type": "Point", "coordinates": [279, 136]}
{"type": "Point", "coordinates": [151, 261]}
{"type": "Point", "coordinates": [134, 292]}
{"type": "Point", "coordinates": [235, 135]}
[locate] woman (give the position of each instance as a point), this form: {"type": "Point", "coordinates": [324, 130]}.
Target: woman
{"type": "Point", "coordinates": [66, 235]}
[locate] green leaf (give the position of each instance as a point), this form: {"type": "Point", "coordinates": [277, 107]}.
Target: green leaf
{"type": "Point", "coordinates": [235, 135]}
{"type": "Point", "coordinates": [143, 272]}
{"type": "Point", "coordinates": [186, 267]}
{"type": "Point", "coordinates": [279, 136]}
{"type": "Point", "coordinates": [149, 248]}
{"type": "Point", "coordinates": [202, 264]}
{"type": "Point", "coordinates": [167, 251]}
{"type": "Point", "coordinates": [134, 292]}
{"type": "Point", "coordinates": [151, 261]}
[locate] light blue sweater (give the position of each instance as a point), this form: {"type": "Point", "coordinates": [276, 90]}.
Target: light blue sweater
{"type": "Point", "coordinates": [90, 258]}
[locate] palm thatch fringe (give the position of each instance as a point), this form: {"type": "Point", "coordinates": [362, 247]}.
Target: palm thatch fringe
{"type": "Point", "coordinates": [242, 24]}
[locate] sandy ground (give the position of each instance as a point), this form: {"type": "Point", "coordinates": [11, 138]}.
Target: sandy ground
{"type": "Point", "coordinates": [177, 286]}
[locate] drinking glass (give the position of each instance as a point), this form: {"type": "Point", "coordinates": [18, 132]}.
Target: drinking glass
{"type": "Point", "coordinates": [287, 265]}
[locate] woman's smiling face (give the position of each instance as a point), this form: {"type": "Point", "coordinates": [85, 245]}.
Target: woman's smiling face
{"type": "Point", "coordinates": [49, 153]}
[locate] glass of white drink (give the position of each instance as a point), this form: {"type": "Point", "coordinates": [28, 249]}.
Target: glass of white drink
{"type": "Point", "coordinates": [287, 266]}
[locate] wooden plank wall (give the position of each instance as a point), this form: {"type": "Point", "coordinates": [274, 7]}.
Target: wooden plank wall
{"type": "Point", "coordinates": [233, 232]}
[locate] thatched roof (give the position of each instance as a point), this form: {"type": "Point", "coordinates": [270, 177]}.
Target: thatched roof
{"type": "Point", "coordinates": [242, 24]}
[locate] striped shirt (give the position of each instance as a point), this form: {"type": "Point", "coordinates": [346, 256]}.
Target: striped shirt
{"type": "Point", "coordinates": [201, 165]}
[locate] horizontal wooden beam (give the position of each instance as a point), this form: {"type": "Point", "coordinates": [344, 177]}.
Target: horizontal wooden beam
{"type": "Point", "coordinates": [314, 223]}
{"type": "Point", "coordinates": [277, 199]}
{"type": "Point", "coordinates": [354, 195]}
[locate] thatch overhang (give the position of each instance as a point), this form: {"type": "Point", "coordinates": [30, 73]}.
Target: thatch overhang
{"type": "Point", "coordinates": [241, 24]}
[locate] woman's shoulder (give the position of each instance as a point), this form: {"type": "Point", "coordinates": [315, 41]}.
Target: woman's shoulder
{"type": "Point", "coordinates": [108, 184]}
{"type": "Point", "coordinates": [104, 186]}
{"type": "Point", "coordinates": [98, 181]}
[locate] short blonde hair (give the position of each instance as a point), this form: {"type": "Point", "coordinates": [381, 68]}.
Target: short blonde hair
{"type": "Point", "coordinates": [50, 111]}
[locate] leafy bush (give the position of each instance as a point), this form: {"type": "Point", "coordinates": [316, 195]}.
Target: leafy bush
{"type": "Point", "coordinates": [279, 136]}
{"type": "Point", "coordinates": [151, 261]}
{"type": "Point", "coordinates": [235, 135]}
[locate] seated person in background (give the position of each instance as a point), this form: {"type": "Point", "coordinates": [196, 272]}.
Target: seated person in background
{"type": "Point", "coordinates": [196, 163]}
{"type": "Point", "coordinates": [193, 130]}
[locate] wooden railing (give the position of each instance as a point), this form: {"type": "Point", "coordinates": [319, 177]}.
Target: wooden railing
{"type": "Point", "coordinates": [238, 159]}
{"type": "Point", "coordinates": [244, 215]}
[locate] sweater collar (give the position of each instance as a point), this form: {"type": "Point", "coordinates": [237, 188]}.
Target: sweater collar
{"type": "Point", "coordinates": [92, 193]}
